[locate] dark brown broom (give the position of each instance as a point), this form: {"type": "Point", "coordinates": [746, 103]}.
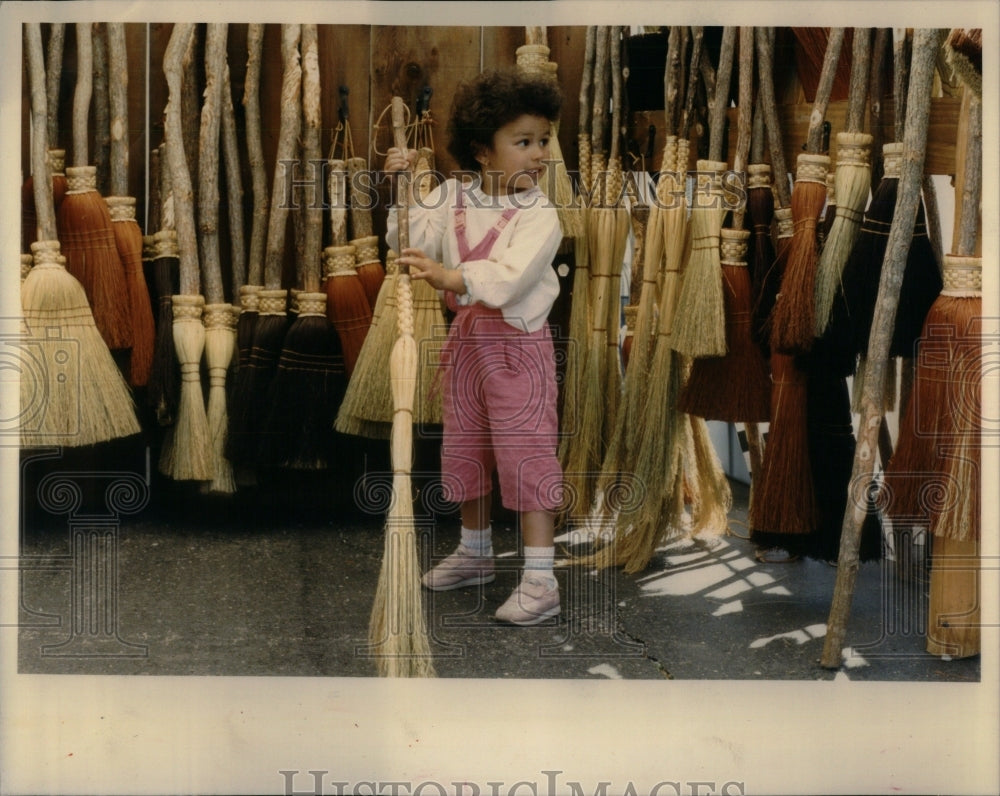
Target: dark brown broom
{"type": "Point", "coordinates": [186, 454]}
{"type": "Point", "coordinates": [396, 631]}
{"type": "Point", "coordinates": [121, 206]}
{"type": "Point", "coordinates": [250, 398]}
{"type": "Point", "coordinates": [347, 305]}
{"type": "Point", "coordinates": [84, 223]}
{"type": "Point", "coordinates": [926, 43]}
{"type": "Point", "coordinates": [163, 393]}
{"type": "Point", "coordinates": [70, 406]}
{"type": "Point", "coordinates": [310, 380]}
{"type": "Point", "coordinates": [793, 317]}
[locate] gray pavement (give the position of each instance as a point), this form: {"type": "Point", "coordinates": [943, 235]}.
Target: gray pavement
{"type": "Point", "coordinates": [278, 580]}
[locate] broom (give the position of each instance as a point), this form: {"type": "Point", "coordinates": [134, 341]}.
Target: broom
{"type": "Point", "coordinates": [925, 46]}
{"type": "Point", "coordinates": [84, 223]}
{"type": "Point", "coordinates": [734, 387]}
{"type": "Point", "coordinates": [579, 312]}
{"type": "Point", "coordinates": [852, 181]}
{"type": "Point", "coordinates": [121, 207]}
{"type": "Point", "coordinates": [218, 318]}
{"type": "Point", "coordinates": [164, 379]}
{"type": "Point", "coordinates": [69, 407]}
{"type": "Point", "coordinates": [793, 318]}
{"type": "Point", "coordinates": [396, 629]}
{"type": "Point", "coordinates": [701, 325]}
{"type": "Point", "coordinates": [309, 382]}
{"type": "Point", "coordinates": [187, 450]}
{"type": "Point", "coordinates": [249, 398]}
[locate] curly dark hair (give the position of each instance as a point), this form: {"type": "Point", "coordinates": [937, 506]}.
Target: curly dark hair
{"type": "Point", "coordinates": [486, 103]}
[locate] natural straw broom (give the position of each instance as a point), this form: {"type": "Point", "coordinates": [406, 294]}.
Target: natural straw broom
{"type": "Point", "coordinates": [83, 221]}
{"type": "Point", "coordinates": [853, 179]}
{"type": "Point", "coordinates": [793, 318]}
{"type": "Point", "coordinates": [187, 450]}
{"type": "Point", "coordinates": [121, 206]}
{"type": "Point", "coordinates": [218, 318]}
{"type": "Point", "coordinates": [70, 407]}
{"type": "Point", "coordinates": [926, 43]}
{"type": "Point", "coordinates": [396, 631]}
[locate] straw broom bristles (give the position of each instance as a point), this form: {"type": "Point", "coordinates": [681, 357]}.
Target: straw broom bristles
{"type": "Point", "coordinates": [220, 344]}
{"type": "Point", "coordinates": [368, 266]}
{"type": "Point", "coordinates": [792, 320]}
{"type": "Point", "coordinates": [164, 379]}
{"type": "Point", "coordinates": [347, 305]}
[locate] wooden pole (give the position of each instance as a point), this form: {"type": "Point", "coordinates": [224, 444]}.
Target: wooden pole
{"type": "Point", "coordinates": [925, 45]}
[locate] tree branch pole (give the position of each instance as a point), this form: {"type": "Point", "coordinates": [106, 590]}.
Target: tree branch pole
{"type": "Point", "coordinates": [925, 45]}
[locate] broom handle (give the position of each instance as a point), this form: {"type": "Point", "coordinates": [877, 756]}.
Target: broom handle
{"type": "Point", "coordinates": [288, 135]}
{"type": "Point", "coordinates": [671, 80]}
{"type": "Point", "coordinates": [82, 93]}
{"type": "Point", "coordinates": [54, 61]}
{"type": "Point", "coordinates": [900, 78]}
{"type": "Point", "coordinates": [857, 93]}
{"type": "Point", "coordinates": [814, 138]}
{"type": "Point", "coordinates": [234, 188]}
{"type": "Point", "coordinates": [180, 177]}
{"type": "Point", "coordinates": [313, 122]}
{"type": "Point", "coordinates": [587, 77]}
{"type": "Point", "coordinates": [972, 178]}
{"type": "Point", "coordinates": [697, 42]}
{"type": "Point", "coordinates": [255, 154]}
{"type": "Point", "coordinates": [118, 102]}
{"type": "Point", "coordinates": [876, 93]}
{"type": "Point", "coordinates": [744, 119]}
{"type": "Point", "coordinates": [925, 45]}
{"type": "Point", "coordinates": [535, 35]}
{"type": "Point", "coordinates": [45, 212]}
{"type": "Point", "coordinates": [403, 184]}
{"type": "Point", "coordinates": [720, 99]}
{"type": "Point", "coordinates": [208, 163]}
{"type": "Point", "coordinates": [600, 107]}
{"type": "Point", "coordinates": [615, 57]}
{"type": "Point", "coordinates": [765, 69]}
{"type": "Point", "coordinates": [102, 110]}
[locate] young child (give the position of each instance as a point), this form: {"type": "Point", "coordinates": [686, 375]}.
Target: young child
{"type": "Point", "coordinates": [487, 243]}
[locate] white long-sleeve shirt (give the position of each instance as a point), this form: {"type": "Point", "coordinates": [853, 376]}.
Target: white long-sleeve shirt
{"type": "Point", "coordinates": [517, 277]}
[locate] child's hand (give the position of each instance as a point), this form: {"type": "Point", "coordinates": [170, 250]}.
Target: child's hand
{"type": "Point", "coordinates": [423, 267]}
{"type": "Point", "coordinates": [395, 160]}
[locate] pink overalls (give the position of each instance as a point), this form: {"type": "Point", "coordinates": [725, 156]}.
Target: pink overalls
{"type": "Point", "coordinates": [499, 400]}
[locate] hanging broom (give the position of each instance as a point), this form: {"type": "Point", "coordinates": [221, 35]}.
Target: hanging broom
{"type": "Point", "coordinates": [187, 450]}
{"type": "Point", "coordinates": [926, 43]}
{"type": "Point", "coordinates": [793, 318]}
{"type": "Point", "coordinates": [853, 178]}
{"type": "Point", "coordinates": [249, 400]}
{"type": "Point", "coordinates": [218, 318]}
{"type": "Point", "coordinates": [84, 223]}
{"type": "Point", "coordinates": [579, 314]}
{"type": "Point", "coordinates": [347, 305]}
{"type": "Point", "coordinates": [163, 393]}
{"type": "Point", "coordinates": [396, 629]}
{"type": "Point", "coordinates": [121, 207]}
{"type": "Point", "coordinates": [310, 380]}
{"type": "Point", "coordinates": [70, 407]}
{"type": "Point", "coordinates": [734, 387]}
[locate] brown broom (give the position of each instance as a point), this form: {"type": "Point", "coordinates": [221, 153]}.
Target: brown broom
{"type": "Point", "coordinates": [701, 327]}
{"type": "Point", "coordinates": [852, 182]}
{"type": "Point", "coordinates": [68, 407]}
{"type": "Point", "coordinates": [926, 43]}
{"type": "Point", "coordinates": [218, 318]}
{"type": "Point", "coordinates": [396, 632]}
{"type": "Point", "coordinates": [163, 394]}
{"type": "Point", "coordinates": [250, 396]}
{"type": "Point", "coordinates": [793, 318]}
{"type": "Point", "coordinates": [187, 449]}
{"type": "Point", "coordinates": [84, 223]}
{"type": "Point", "coordinates": [121, 207]}
{"type": "Point", "coordinates": [347, 305]}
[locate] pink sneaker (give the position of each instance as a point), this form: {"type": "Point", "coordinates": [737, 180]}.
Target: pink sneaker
{"type": "Point", "coordinates": [532, 602]}
{"type": "Point", "coordinates": [461, 568]}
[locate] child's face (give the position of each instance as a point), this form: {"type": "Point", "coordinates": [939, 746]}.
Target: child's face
{"type": "Point", "coordinates": [515, 161]}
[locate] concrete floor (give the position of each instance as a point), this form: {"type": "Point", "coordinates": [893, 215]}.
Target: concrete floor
{"type": "Point", "coordinates": [278, 580]}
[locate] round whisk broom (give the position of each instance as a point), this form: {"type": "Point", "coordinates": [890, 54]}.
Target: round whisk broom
{"type": "Point", "coordinates": [84, 223]}
{"type": "Point", "coordinates": [121, 207]}
{"type": "Point", "coordinates": [187, 449]}
{"type": "Point", "coordinates": [66, 406]}
{"type": "Point", "coordinates": [396, 631]}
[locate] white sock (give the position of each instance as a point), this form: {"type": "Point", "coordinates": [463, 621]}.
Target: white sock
{"type": "Point", "coordinates": [538, 562]}
{"type": "Point", "coordinates": [478, 542]}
